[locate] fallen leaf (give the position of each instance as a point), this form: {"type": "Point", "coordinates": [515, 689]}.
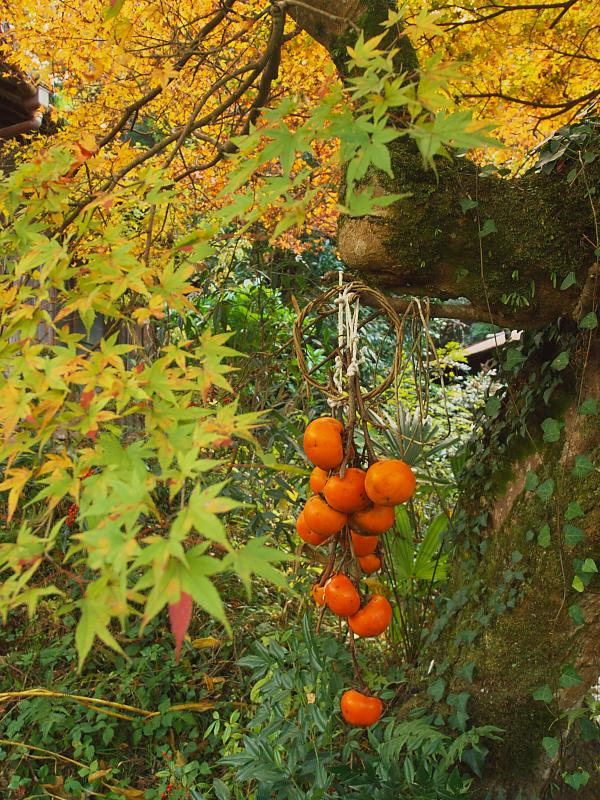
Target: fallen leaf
{"type": "Point", "coordinates": [206, 642]}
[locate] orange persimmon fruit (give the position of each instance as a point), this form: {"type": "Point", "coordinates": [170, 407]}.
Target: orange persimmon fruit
{"type": "Point", "coordinates": [341, 596]}
{"type": "Point", "coordinates": [369, 563]}
{"type": "Point", "coordinates": [318, 479]}
{"type": "Point", "coordinates": [323, 443]}
{"type": "Point", "coordinates": [359, 709]}
{"type": "Point", "coordinates": [373, 618]}
{"type": "Point", "coordinates": [390, 482]}
{"type": "Point", "coordinates": [308, 535]}
{"type": "Point", "coordinates": [373, 521]}
{"type": "Point", "coordinates": [347, 494]}
{"type": "Point", "coordinates": [363, 545]}
{"type": "Point", "coordinates": [321, 518]}
{"type": "Point", "coordinates": [318, 594]}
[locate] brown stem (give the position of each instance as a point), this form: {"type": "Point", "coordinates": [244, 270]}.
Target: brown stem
{"type": "Point", "coordinates": [356, 666]}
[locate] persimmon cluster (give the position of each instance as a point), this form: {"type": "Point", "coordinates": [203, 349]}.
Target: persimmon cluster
{"type": "Point", "coordinates": [351, 507]}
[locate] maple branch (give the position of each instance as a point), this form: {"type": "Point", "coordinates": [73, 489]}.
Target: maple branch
{"type": "Point", "coordinates": [273, 59]}
{"type": "Point", "coordinates": [269, 74]}
{"type": "Point", "coordinates": [132, 108]}
{"type": "Point", "coordinates": [266, 67]}
{"type": "Point", "coordinates": [566, 105]}
{"type": "Point", "coordinates": [255, 68]}
{"type": "Point", "coordinates": [502, 9]}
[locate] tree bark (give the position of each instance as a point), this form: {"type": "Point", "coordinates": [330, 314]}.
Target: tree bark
{"type": "Point", "coordinates": [506, 609]}
{"type": "Point", "coordinates": [507, 605]}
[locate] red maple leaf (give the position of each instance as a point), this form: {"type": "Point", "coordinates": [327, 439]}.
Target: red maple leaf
{"type": "Point", "coordinates": [180, 614]}
{"type": "Point", "coordinates": [86, 398]}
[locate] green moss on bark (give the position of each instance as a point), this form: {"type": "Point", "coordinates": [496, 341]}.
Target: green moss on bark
{"type": "Point", "coordinates": [520, 634]}
{"type": "Point", "coordinates": [370, 23]}
{"type": "Point", "coordinates": [541, 225]}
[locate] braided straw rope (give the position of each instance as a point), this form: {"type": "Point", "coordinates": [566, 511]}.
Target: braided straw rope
{"type": "Point", "coordinates": [322, 304]}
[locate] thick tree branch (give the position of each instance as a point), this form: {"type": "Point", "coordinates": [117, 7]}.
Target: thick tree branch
{"type": "Point", "coordinates": [505, 245]}
{"type": "Point", "coordinates": [326, 27]}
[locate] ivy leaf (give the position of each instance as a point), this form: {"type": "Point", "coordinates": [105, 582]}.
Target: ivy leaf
{"type": "Point", "coordinates": [578, 584]}
{"type": "Point", "coordinates": [437, 689]}
{"type": "Point", "coordinates": [543, 694]}
{"type": "Point", "coordinates": [466, 672]}
{"type": "Point", "coordinates": [576, 779]}
{"type": "Point", "coordinates": [552, 429]}
{"type": "Point", "coordinates": [467, 204]}
{"type": "Point", "coordinates": [544, 536]}
{"type": "Point", "coordinates": [492, 406]}
{"type": "Point", "coordinates": [180, 615]}
{"type": "Point", "coordinates": [576, 614]}
{"type": "Point", "coordinates": [569, 677]}
{"type": "Point", "coordinates": [489, 226]}
{"type": "Point", "coordinates": [589, 322]}
{"type": "Point", "coordinates": [550, 745]}
{"type": "Point", "coordinates": [568, 281]}
{"type": "Point", "coordinates": [531, 481]}
{"type": "Point", "coordinates": [583, 466]}
{"type": "Point", "coordinates": [514, 357]}
{"type": "Point", "coordinates": [573, 511]}
{"type": "Point", "coordinates": [589, 406]}
{"type": "Point", "coordinates": [589, 730]}
{"type": "Point", "coordinates": [545, 490]}
{"type": "Point", "coordinates": [589, 566]}
{"type": "Point", "coordinates": [561, 361]}
{"type": "Point", "coordinates": [573, 535]}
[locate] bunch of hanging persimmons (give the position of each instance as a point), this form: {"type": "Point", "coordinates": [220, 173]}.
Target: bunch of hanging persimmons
{"type": "Point", "coordinates": [356, 507]}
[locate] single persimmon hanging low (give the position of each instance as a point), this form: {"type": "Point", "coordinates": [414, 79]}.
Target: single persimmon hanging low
{"type": "Point", "coordinates": [359, 709]}
{"type": "Point", "coordinates": [318, 479]}
{"type": "Point", "coordinates": [373, 521]}
{"type": "Point", "coordinates": [318, 594]}
{"type": "Point", "coordinates": [370, 563]}
{"type": "Point", "coordinates": [363, 545]}
{"type": "Point", "coordinates": [306, 534]}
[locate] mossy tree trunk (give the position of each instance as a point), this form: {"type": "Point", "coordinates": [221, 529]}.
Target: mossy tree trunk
{"type": "Point", "coordinates": [522, 613]}
{"type": "Point", "coordinates": [511, 623]}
